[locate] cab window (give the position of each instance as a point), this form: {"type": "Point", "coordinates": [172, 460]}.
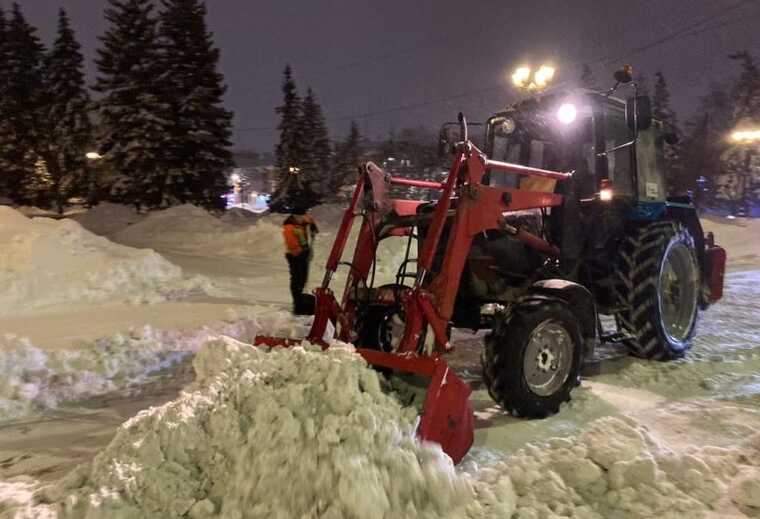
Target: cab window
{"type": "Point", "coordinates": [619, 163]}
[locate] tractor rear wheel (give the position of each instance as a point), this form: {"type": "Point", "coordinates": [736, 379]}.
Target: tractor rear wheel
{"type": "Point", "coordinates": [658, 290]}
{"type": "Point", "coordinates": [532, 358]}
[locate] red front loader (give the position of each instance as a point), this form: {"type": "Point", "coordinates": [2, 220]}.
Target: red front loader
{"type": "Point", "coordinates": [465, 209]}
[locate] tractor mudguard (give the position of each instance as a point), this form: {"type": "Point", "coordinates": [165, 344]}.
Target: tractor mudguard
{"type": "Point", "coordinates": [580, 301]}
{"type": "Point", "coordinates": [714, 271]}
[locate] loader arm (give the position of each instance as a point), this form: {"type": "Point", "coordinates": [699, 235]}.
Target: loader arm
{"type": "Point", "coordinates": [479, 208]}
{"type": "Point", "coordinates": [447, 416]}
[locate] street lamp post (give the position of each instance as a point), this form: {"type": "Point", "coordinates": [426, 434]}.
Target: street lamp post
{"type": "Point", "coordinates": [93, 161]}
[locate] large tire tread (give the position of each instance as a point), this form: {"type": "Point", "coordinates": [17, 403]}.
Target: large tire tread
{"type": "Point", "coordinates": [640, 257]}
{"type": "Point", "coordinates": [503, 355]}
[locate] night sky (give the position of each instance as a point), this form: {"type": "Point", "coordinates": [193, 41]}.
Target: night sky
{"type": "Point", "coordinates": [392, 64]}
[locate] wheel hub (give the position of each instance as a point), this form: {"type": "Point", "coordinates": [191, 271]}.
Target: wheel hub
{"type": "Point", "coordinates": [548, 358]}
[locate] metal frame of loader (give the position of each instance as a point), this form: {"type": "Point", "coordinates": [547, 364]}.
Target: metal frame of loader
{"type": "Point", "coordinates": [469, 207]}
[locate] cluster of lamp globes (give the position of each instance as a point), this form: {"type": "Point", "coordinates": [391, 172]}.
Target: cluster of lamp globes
{"type": "Point", "coordinates": [526, 78]}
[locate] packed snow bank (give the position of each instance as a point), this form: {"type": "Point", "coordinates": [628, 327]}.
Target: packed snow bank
{"type": "Point", "coordinates": [106, 218]}
{"type": "Point", "coordinates": [740, 238]}
{"type": "Point", "coordinates": [188, 229]}
{"type": "Point", "coordinates": [34, 378]}
{"type": "Point", "coordinates": [270, 434]}
{"type": "Point", "coordinates": [46, 262]}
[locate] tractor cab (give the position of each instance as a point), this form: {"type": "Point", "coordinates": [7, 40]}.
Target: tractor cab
{"type": "Point", "coordinates": [614, 154]}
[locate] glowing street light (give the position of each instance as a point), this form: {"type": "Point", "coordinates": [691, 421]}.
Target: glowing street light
{"type": "Point", "coordinates": [746, 136]}
{"type": "Point", "coordinates": [294, 170]}
{"type": "Point", "coordinates": [743, 137]}
{"type": "Point", "coordinates": [521, 78]}
{"type": "Point", "coordinates": [93, 155]}
{"type": "Point", "coordinates": [543, 76]}
{"type": "Point", "coordinates": [235, 178]}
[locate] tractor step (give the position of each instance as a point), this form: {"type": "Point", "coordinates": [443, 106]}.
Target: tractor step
{"type": "Point", "coordinates": [609, 338]}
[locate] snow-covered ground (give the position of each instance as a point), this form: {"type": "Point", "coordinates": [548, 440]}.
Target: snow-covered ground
{"type": "Point", "coordinates": [642, 439]}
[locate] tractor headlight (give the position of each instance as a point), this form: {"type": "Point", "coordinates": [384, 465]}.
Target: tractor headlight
{"type": "Point", "coordinates": [507, 126]}
{"type": "Point", "coordinates": [605, 191]}
{"type": "Point", "coordinates": [567, 113]}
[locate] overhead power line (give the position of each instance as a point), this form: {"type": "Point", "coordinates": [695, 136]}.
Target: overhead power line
{"type": "Point", "coordinates": [699, 26]}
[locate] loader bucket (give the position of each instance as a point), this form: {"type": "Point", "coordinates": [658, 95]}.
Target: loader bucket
{"type": "Point", "coordinates": [447, 417]}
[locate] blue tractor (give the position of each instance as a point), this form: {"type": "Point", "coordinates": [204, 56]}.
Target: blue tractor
{"type": "Point", "coordinates": [629, 251]}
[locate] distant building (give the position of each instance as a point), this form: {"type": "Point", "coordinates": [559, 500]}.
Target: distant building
{"type": "Point", "coordinates": [256, 172]}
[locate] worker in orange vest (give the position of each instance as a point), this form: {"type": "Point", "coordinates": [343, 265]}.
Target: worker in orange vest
{"type": "Point", "coordinates": [298, 230]}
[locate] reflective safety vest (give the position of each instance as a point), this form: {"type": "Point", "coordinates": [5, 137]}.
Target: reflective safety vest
{"type": "Point", "coordinates": [297, 235]}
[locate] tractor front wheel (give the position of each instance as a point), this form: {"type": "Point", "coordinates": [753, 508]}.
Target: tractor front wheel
{"type": "Point", "coordinates": [383, 328]}
{"type": "Point", "coordinates": [532, 358]}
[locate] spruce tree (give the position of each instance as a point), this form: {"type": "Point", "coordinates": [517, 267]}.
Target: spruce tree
{"type": "Point", "coordinates": [68, 120]}
{"type": "Point", "coordinates": [6, 131]}
{"type": "Point", "coordinates": [705, 141]}
{"type": "Point", "coordinates": [133, 117]}
{"type": "Point", "coordinates": [741, 161]}
{"type": "Point", "coordinates": [662, 111]}
{"type": "Point", "coordinates": [288, 153]}
{"type": "Point", "coordinates": [22, 133]}
{"type": "Point", "coordinates": [315, 146]}
{"type": "Point", "coordinates": [199, 126]}
{"type": "Point", "coordinates": [347, 156]}
{"type": "Point", "coordinates": [746, 93]}
{"type": "Point", "coordinates": [292, 190]}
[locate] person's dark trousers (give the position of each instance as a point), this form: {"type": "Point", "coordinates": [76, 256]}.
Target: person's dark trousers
{"type": "Point", "coordinates": [299, 275]}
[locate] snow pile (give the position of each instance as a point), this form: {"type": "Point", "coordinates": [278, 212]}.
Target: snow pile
{"type": "Point", "coordinates": [616, 468]}
{"type": "Point", "coordinates": [33, 378]}
{"type": "Point", "coordinates": [306, 433]}
{"type": "Point", "coordinates": [193, 231]}
{"type": "Point", "coordinates": [270, 434]}
{"type": "Point", "coordinates": [188, 229]}
{"type": "Point", "coordinates": [46, 262]}
{"type": "Point", "coordinates": [106, 218]}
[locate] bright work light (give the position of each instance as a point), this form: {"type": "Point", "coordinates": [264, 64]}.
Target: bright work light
{"type": "Point", "coordinates": [605, 191]}
{"type": "Point", "coordinates": [567, 113]}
